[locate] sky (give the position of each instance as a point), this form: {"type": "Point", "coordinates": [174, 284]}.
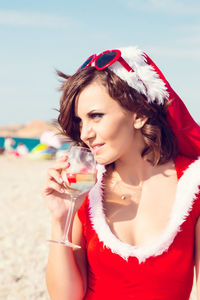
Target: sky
{"type": "Point", "coordinates": [38, 37]}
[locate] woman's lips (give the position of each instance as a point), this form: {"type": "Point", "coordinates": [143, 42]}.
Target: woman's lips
{"type": "Point", "coordinates": [95, 148]}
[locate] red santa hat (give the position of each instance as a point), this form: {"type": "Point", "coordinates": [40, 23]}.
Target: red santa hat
{"type": "Point", "coordinates": [149, 80]}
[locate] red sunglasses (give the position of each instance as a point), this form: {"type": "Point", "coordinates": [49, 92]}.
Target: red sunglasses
{"type": "Point", "coordinates": [105, 59]}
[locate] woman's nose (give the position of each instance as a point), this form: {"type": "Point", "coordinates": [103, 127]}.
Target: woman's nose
{"type": "Point", "coordinates": [87, 132]}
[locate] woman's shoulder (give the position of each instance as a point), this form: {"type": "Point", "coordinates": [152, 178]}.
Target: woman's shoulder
{"type": "Point", "coordinates": [184, 163]}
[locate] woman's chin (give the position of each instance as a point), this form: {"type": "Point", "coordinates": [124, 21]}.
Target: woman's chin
{"type": "Point", "coordinates": [103, 161]}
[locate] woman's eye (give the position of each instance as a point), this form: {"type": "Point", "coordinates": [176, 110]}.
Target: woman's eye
{"type": "Point", "coordinates": [96, 115]}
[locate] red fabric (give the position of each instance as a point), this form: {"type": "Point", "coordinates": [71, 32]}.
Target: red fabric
{"type": "Point", "coordinates": [184, 127]}
{"type": "Point", "coordinates": [168, 276]}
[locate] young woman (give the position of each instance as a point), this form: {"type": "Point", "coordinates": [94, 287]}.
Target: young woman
{"type": "Point", "coordinates": [139, 226]}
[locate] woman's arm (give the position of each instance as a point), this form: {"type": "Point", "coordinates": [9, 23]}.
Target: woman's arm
{"type": "Point", "coordinates": [197, 258]}
{"type": "Point", "coordinates": [66, 268]}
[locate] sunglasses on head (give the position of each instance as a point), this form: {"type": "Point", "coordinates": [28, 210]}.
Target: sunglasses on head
{"type": "Point", "coordinates": [105, 59]}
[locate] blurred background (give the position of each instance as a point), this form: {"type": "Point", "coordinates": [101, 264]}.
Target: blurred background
{"type": "Point", "coordinates": [36, 38]}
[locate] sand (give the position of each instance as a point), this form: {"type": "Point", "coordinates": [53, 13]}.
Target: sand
{"type": "Point", "coordinates": [24, 228]}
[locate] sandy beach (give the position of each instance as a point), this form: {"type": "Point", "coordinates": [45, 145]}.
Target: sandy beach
{"type": "Point", "coordinates": [25, 226]}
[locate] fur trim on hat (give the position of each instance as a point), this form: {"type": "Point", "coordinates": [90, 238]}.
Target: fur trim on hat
{"type": "Point", "coordinates": [144, 75]}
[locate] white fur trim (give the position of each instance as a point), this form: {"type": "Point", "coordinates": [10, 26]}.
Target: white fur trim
{"type": "Point", "coordinates": [156, 89]}
{"type": "Point", "coordinates": [187, 188]}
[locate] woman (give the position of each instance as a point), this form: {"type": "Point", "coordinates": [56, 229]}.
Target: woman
{"type": "Point", "coordinates": [139, 227]}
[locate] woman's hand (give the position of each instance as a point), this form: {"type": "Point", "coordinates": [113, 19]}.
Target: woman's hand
{"type": "Point", "coordinates": [54, 191]}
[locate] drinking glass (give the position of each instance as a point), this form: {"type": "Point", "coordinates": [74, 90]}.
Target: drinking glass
{"type": "Point", "coordinates": [79, 178]}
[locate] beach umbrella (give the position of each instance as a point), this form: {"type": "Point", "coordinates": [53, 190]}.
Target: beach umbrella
{"type": "Point", "coordinates": [50, 138]}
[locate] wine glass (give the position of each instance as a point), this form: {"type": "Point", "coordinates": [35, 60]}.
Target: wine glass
{"type": "Point", "coordinates": [79, 178]}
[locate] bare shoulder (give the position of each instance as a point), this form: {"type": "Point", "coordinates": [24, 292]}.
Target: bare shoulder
{"type": "Point", "coordinates": [167, 169]}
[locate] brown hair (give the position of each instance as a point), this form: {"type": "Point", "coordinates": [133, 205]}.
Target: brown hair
{"type": "Point", "coordinates": [158, 136]}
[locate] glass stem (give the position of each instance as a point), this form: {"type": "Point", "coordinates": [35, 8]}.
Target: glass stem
{"type": "Point", "coordinates": [69, 219]}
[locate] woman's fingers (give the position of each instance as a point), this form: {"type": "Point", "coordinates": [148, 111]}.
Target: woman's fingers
{"type": "Point", "coordinates": [63, 158]}
{"type": "Point", "coordinates": [55, 171]}
{"type": "Point", "coordinates": [54, 174]}
{"type": "Point", "coordinates": [61, 165]}
{"type": "Point", "coordinates": [54, 181]}
{"type": "Point", "coordinates": [53, 186]}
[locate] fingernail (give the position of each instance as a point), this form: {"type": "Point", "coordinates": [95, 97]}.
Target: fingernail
{"type": "Point", "coordinates": [67, 164]}
{"type": "Point", "coordinates": [62, 190]}
{"type": "Point", "coordinates": [60, 180]}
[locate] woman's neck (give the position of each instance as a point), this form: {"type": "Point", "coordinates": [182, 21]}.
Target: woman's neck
{"type": "Point", "coordinates": [134, 170]}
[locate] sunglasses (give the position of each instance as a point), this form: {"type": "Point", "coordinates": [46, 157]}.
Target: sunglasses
{"type": "Point", "coordinates": [105, 59]}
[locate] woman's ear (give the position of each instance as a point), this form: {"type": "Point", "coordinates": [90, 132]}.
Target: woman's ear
{"type": "Point", "coordinates": [139, 122]}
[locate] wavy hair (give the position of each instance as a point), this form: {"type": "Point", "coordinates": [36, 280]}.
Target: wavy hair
{"type": "Point", "coordinates": [160, 142]}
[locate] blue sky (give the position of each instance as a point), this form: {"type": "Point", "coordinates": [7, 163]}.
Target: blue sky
{"type": "Point", "coordinates": [38, 37]}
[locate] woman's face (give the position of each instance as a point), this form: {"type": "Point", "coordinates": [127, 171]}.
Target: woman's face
{"type": "Point", "coordinates": [105, 127]}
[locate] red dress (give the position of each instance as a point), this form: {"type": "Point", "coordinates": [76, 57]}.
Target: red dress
{"type": "Point", "coordinates": [160, 271]}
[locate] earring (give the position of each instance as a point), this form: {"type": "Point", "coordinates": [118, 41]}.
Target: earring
{"type": "Point", "coordinates": [138, 125]}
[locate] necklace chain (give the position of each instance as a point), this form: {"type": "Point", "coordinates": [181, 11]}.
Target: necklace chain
{"type": "Point", "coordinates": [134, 191]}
